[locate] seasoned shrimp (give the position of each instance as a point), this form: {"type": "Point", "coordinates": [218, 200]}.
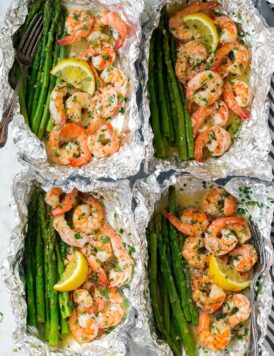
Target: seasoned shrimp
{"type": "Point", "coordinates": [218, 114]}
{"type": "Point", "coordinates": [101, 53]}
{"type": "Point", "coordinates": [237, 95]}
{"type": "Point", "coordinates": [113, 20]}
{"type": "Point", "coordinates": [57, 102]}
{"type": "Point", "coordinates": [77, 103]}
{"type": "Point", "coordinates": [106, 102]}
{"type": "Point", "coordinates": [228, 29]}
{"type": "Point", "coordinates": [101, 297]}
{"type": "Point", "coordinates": [67, 234]}
{"type": "Point", "coordinates": [114, 76]}
{"type": "Point", "coordinates": [84, 301]}
{"type": "Point", "coordinates": [240, 62]}
{"type": "Point", "coordinates": [87, 218]}
{"type": "Point", "coordinates": [225, 227]}
{"type": "Point", "coordinates": [83, 326]}
{"type": "Point", "coordinates": [238, 306]}
{"type": "Point", "coordinates": [205, 88]}
{"type": "Point", "coordinates": [104, 142]}
{"type": "Point", "coordinates": [102, 245]}
{"type": "Point", "coordinates": [78, 25]}
{"type": "Point", "coordinates": [99, 275]}
{"type": "Point", "coordinates": [67, 145]}
{"type": "Point", "coordinates": [189, 59]}
{"type": "Point", "coordinates": [113, 312]}
{"type": "Point", "coordinates": [66, 204]}
{"type": "Point", "coordinates": [218, 202]}
{"type": "Point", "coordinates": [191, 252]}
{"type": "Point", "coordinates": [192, 222]}
{"type": "Point", "coordinates": [176, 23]}
{"type": "Point", "coordinates": [244, 257]}
{"type": "Point", "coordinates": [207, 295]}
{"type": "Point", "coordinates": [121, 274]}
{"type": "Point", "coordinates": [214, 335]}
{"type": "Point", "coordinates": [216, 139]}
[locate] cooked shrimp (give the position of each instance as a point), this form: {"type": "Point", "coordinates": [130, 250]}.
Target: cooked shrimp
{"type": "Point", "coordinates": [66, 204]}
{"type": "Point", "coordinates": [78, 25]}
{"type": "Point", "coordinates": [192, 222]}
{"type": "Point", "coordinates": [113, 312]}
{"type": "Point", "coordinates": [104, 142]}
{"type": "Point", "coordinates": [114, 76]}
{"type": "Point", "coordinates": [101, 297]}
{"type": "Point", "coordinates": [99, 275]}
{"type": "Point", "coordinates": [205, 88]}
{"type": "Point", "coordinates": [106, 102]}
{"type": "Point", "coordinates": [97, 35]}
{"type": "Point", "coordinates": [113, 20]}
{"type": "Point", "coordinates": [176, 23]}
{"type": "Point", "coordinates": [214, 335]}
{"type": "Point", "coordinates": [121, 274]}
{"type": "Point", "coordinates": [189, 59]}
{"type": "Point", "coordinates": [241, 58]}
{"type": "Point", "coordinates": [84, 301]}
{"type": "Point", "coordinates": [67, 234]}
{"type": "Point", "coordinates": [216, 139]}
{"type": "Point", "coordinates": [238, 306]}
{"type": "Point", "coordinates": [57, 102]}
{"type": "Point", "coordinates": [102, 245]}
{"type": "Point", "coordinates": [217, 112]}
{"type": "Point", "coordinates": [218, 202]}
{"type": "Point", "coordinates": [101, 54]}
{"type": "Point", "coordinates": [191, 252]}
{"type": "Point", "coordinates": [88, 217]}
{"type": "Point", "coordinates": [244, 257]}
{"type": "Point", "coordinates": [83, 326]}
{"type": "Point", "coordinates": [225, 227]}
{"type": "Point", "coordinates": [228, 29]}
{"type": "Point", "coordinates": [237, 96]}
{"type": "Point", "coordinates": [207, 295]}
{"type": "Point", "coordinates": [77, 103]}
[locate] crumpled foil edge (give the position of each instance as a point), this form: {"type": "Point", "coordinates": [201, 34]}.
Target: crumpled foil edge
{"type": "Point", "coordinates": [146, 193]}
{"type": "Point", "coordinates": [117, 199]}
{"type": "Point", "coordinates": [31, 151]}
{"type": "Point", "coordinates": [248, 155]}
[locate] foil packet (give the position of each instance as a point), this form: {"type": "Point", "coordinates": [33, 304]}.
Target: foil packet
{"type": "Point", "coordinates": [124, 163]}
{"type": "Point", "coordinates": [248, 155]}
{"type": "Point", "coordinates": [256, 198]}
{"type": "Point", "coordinates": [117, 199]}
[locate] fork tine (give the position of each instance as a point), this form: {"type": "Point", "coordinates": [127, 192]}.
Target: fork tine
{"type": "Point", "coordinates": [35, 40]}
{"type": "Point", "coordinates": [32, 36]}
{"type": "Point", "coordinates": [26, 35]}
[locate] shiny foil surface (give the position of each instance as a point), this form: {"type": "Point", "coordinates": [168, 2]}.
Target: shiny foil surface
{"type": "Point", "coordinates": [259, 205]}
{"type": "Point", "coordinates": [248, 155]}
{"type": "Point", "coordinates": [117, 199]}
{"type": "Point", "coordinates": [126, 162]}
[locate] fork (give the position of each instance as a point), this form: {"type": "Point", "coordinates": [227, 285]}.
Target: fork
{"type": "Point", "coordinates": [24, 56]}
{"type": "Point", "coordinates": [258, 270]}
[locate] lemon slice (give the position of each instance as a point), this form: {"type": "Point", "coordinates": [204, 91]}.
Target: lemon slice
{"type": "Point", "coordinates": [204, 30]}
{"type": "Point", "coordinates": [225, 276]}
{"type": "Point", "coordinates": [77, 73]}
{"type": "Point", "coordinates": [74, 275]}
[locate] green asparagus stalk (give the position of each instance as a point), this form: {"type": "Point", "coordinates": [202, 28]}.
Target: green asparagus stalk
{"type": "Point", "coordinates": [33, 78]}
{"type": "Point", "coordinates": [22, 102]}
{"type": "Point", "coordinates": [176, 259]}
{"type": "Point", "coordinates": [33, 10]}
{"type": "Point", "coordinates": [155, 120]}
{"type": "Point", "coordinates": [180, 125]}
{"type": "Point", "coordinates": [192, 308]}
{"type": "Point", "coordinates": [178, 314]}
{"type": "Point", "coordinates": [29, 244]}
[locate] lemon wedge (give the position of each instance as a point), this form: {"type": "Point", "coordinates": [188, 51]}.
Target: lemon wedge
{"type": "Point", "coordinates": [225, 276]}
{"type": "Point", "coordinates": [74, 275]}
{"type": "Point", "coordinates": [204, 30]}
{"type": "Point", "coordinates": [77, 73]}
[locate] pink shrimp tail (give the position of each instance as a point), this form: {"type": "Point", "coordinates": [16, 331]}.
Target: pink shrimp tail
{"type": "Point", "coordinates": [65, 41]}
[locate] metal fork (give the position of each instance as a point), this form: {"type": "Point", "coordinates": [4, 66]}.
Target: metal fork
{"type": "Point", "coordinates": [258, 270]}
{"type": "Point", "coordinates": [24, 56]}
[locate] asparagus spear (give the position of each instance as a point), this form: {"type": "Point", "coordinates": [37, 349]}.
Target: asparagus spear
{"type": "Point", "coordinates": [176, 259]}
{"type": "Point", "coordinates": [34, 8]}
{"type": "Point", "coordinates": [193, 311]}
{"type": "Point", "coordinates": [29, 243]}
{"type": "Point", "coordinates": [33, 78]}
{"type": "Point", "coordinates": [22, 102]}
{"type": "Point", "coordinates": [158, 140]}
{"type": "Point", "coordinates": [180, 126]}
{"type": "Point", "coordinates": [46, 70]}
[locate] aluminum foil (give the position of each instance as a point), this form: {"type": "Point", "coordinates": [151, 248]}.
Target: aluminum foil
{"type": "Point", "coordinates": [117, 198]}
{"type": "Point", "coordinates": [248, 155]}
{"type": "Point", "coordinates": [259, 206]}
{"type": "Point", "coordinates": [126, 162]}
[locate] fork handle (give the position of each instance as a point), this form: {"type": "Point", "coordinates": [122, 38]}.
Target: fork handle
{"type": "Point", "coordinates": [7, 116]}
